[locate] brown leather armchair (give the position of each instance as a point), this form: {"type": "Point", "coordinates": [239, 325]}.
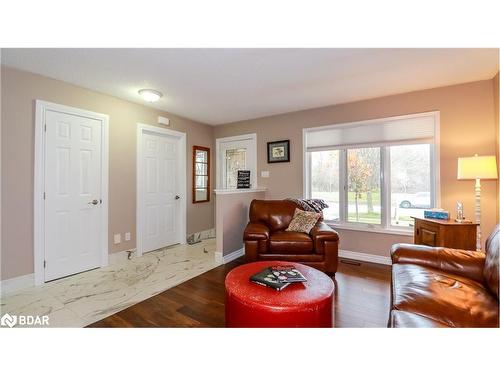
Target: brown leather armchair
{"type": "Point", "coordinates": [440, 287]}
{"type": "Point", "coordinates": [266, 239]}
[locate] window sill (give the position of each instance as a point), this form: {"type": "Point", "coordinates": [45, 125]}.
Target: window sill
{"type": "Point", "coordinates": [362, 228]}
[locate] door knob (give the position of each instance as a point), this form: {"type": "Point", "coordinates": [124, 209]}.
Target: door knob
{"type": "Point", "coordinates": [94, 202]}
{"type": "Point", "coordinates": [177, 197]}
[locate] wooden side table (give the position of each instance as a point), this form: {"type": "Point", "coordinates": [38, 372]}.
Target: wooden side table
{"type": "Point", "coordinates": [445, 233]}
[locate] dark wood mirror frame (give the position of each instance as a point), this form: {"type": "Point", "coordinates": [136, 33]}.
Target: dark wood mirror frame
{"type": "Point", "coordinates": [207, 169]}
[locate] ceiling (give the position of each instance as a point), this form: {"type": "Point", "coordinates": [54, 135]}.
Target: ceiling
{"type": "Point", "coordinates": [217, 86]}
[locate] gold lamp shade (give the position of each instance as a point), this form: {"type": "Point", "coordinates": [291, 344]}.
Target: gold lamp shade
{"type": "Point", "coordinates": [474, 167]}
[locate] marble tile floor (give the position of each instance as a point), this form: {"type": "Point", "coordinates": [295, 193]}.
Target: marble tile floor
{"type": "Point", "coordinates": [87, 297]}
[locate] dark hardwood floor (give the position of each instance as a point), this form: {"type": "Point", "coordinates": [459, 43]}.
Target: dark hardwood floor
{"type": "Point", "coordinates": [362, 299]}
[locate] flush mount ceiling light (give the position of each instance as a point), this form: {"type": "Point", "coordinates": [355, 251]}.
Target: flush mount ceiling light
{"type": "Point", "coordinates": [150, 95]}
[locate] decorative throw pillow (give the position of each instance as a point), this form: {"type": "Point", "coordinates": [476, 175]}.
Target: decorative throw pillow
{"type": "Point", "coordinates": [303, 221]}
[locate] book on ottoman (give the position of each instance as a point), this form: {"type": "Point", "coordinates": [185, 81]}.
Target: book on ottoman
{"type": "Point", "coordinates": [287, 274]}
{"type": "Point", "coordinates": [278, 277]}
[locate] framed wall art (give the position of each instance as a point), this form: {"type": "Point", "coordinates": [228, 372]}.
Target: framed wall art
{"type": "Point", "coordinates": [278, 151]}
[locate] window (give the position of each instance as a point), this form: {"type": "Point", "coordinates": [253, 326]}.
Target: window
{"type": "Point", "coordinates": [325, 180]}
{"type": "Point", "coordinates": [201, 174]}
{"type": "Point", "coordinates": [363, 185]}
{"type": "Point", "coordinates": [410, 182]}
{"type": "Point", "coordinates": [235, 161]}
{"type": "Point", "coordinates": [373, 174]}
{"type": "Point", "coordinates": [234, 154]}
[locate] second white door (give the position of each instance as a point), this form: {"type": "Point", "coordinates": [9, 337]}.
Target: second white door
{"type": "Point", "coordinates": [159, 191]}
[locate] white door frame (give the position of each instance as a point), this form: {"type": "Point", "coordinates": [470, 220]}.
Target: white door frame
{"type": "Point", "coordinates": [220, 157]}
{"type": "Point", "coordinates": [39, 178]}
{"type": "Point", "coordinates": [182, 181]}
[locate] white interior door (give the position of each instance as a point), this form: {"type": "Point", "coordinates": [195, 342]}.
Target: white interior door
{"type": "Point", "coordinates": [73, 194]}
{"type": "Point", "coordinates": [159, 177]}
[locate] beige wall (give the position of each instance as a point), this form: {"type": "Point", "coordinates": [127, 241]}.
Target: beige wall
{"type": "Point", "coordinates": [19, 91]}
{"type": "Point", "coordinates": [467, 127]}
{"type": "Point", "coordinates": [232, 218]}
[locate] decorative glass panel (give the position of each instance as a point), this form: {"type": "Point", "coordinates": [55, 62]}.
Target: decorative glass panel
{"type": "Point", "coordinates": [201, 195]}
{"type": "Point", "coordinates": [201, 169]}
{"type": "Point", "coordinates": [201, 156]}
{"type": "Point", "coordinates": [235, 161]}
{"type": "Point", "coordinates": [201, 182]}
{"type": "Point", "coordinates": [201, 174]}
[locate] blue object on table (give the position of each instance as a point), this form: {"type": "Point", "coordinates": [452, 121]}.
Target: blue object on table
{"type": "Point", "coordinates": [430, 214]}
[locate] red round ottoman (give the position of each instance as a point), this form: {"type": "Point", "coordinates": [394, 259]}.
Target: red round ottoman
{"type": "Point", "coordinates": [308, 304]}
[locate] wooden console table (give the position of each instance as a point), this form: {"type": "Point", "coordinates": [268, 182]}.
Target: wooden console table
{"type": "Point", "coordinates": [445, 233]}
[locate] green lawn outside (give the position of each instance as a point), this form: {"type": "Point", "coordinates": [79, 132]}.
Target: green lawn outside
{"type": "Point", "coordinates": [334, 196]}
{"type": "Point", "coordinates": [369, 218]}
{"type": "Point", "coordinates": [374, 218]}
{"type": "Point", "coordinates": [364, 217]}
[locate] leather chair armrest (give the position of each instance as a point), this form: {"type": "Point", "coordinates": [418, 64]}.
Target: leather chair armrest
{"type": "Point", "coordinates": [322, 231]}
{"type": "Point", "coordinates": [256, 232]}
{"type": "Point", "coordinates": [464, 263]}
{"type": "Point", "coordinates": [326, 242]}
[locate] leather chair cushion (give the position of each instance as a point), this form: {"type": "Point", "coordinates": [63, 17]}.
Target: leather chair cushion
{"type": "Point", "coordinates": [282, 242]}
{"type": "Point", "coordinates": [409, 320]}
{"type": "Point", "coordinates": [275, 214]}
{"type": "Point", "coordinates": [449, 299]}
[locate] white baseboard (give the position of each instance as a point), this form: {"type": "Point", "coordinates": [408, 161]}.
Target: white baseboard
{"type": "Point", "coordinates": [234, 255]}
{"type": "Point", "coordinates": [17, 283]}
{"type": "Point", "coordinates": [364, 257]}
{"type": "Point", "coordinates": [229, 257]}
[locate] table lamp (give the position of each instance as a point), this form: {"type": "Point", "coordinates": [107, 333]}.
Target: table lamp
{"type": "Point", "coordinates": [477, 168]}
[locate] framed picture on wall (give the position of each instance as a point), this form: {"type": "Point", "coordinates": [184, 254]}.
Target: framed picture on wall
{"type": "Point", "coordinates": [278, 151]}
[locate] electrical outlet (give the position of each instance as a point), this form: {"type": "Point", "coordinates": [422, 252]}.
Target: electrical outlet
{"type": "Point", "coordinates": [264, 174]}
{"type": "Point", "coordinates": [127, 236]}
{"type": "Point", "coordinates": [118, 238]}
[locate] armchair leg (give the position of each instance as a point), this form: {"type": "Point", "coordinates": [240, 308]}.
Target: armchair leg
{"type": "Point", "coordinates": [251, 251]}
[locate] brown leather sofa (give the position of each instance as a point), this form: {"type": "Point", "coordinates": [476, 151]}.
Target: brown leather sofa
{"type": "Point", "coordinates": [440, 287]}
{"type": "Point", "coordinates": [266, 239]}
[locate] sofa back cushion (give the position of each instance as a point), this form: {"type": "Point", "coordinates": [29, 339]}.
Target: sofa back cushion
{"type": "Point", "coordinates": [275, 214]}
{"type": "Point", "coordinates": [490, 271]}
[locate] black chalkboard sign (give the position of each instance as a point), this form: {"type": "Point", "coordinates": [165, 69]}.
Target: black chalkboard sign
{"type": "Point", "coordinates": [243, 180]}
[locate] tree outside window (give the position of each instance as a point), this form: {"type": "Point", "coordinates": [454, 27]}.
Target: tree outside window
{"type": "Point", "coordinates": [363, 183]}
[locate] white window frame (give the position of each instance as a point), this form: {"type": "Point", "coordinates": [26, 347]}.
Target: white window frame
{"type": "Point", "coordinates": [220, 161]}
{"type": "Point", "coordinates": [385, 226]}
